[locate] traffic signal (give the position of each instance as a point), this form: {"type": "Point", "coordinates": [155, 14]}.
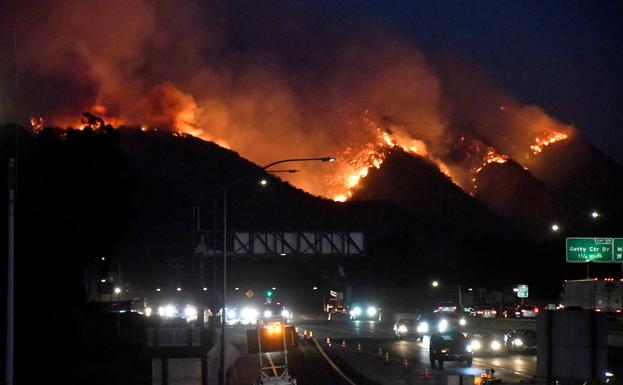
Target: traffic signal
{"type": "Point", "coordinates": [269, 293]}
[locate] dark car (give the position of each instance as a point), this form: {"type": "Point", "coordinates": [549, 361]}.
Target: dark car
{"type": "Point", "coordinates": [486, 343]}
{"type": "Point", "coordinates": [526, 311]}
{"type": "Point", "coordinates": [406, 328]}
{"type": "Point", "coordinates": [450, 346]}
{"type": "Point", "coordinates": [484, 311]}
{"type": "Point", "coordinates": [520, 341]}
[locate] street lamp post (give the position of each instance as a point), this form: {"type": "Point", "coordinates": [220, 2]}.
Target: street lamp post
{"type": "Point", "coordinates": [223, 376]}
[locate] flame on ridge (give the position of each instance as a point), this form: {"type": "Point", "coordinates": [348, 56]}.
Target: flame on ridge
{"type": "Point", "coordinates": [358, 162]}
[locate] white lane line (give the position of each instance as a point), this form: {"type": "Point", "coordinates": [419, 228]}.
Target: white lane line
{"type": "Point", "coordinates": [333, 365]}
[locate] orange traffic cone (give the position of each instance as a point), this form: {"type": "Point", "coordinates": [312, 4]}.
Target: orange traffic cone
{"type": "Point", "coordinates": [343, 344]}
{"type": "Point", "coordinates": [386, 359]}
{"type": "Point", "coordinates": [426, 375]}
{"type": "Point", "coordinates": [405, 363]}
{"type": "Point", "coordinates": [359, 348]}
{"type": "Point", "coordinates": [380, 352]}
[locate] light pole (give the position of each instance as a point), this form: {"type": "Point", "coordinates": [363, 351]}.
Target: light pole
{"type": "Point", "coordinates": [225, 188]}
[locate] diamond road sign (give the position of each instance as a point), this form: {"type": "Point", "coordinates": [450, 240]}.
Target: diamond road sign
{"type": "Point", "coordinates": [605, 250]}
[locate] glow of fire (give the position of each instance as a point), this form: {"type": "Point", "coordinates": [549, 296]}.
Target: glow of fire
{"type": "Point", "coordinates": [373, 154]}
{"type": "Point", "coordinates": [541, 143]}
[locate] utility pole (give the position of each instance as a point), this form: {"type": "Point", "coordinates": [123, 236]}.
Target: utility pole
{"type": "Point", "coordinates": [10, 275]}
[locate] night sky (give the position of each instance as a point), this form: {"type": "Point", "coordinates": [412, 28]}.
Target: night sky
{"type": "Point", "coordinates": [565, 56]}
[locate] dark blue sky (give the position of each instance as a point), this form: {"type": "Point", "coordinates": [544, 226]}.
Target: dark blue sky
{"type": "Point", "coordinates": [565, 56]}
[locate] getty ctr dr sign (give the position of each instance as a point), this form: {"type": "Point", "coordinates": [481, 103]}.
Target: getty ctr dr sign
{"type": "Point", "coordinates": [605, 250]}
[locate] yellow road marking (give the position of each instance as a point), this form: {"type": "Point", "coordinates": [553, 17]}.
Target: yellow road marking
{"type": "Point", "coordinates": [272, 364]}
{"type": "Point", "coordinates": [333, 365]}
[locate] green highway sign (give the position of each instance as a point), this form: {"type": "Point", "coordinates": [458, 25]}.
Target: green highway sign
{"type": "Point", "coordinates": [522, 291]}
{"type": "Point", "coordinates": [604, 250]}
{"type": "Point", "coordinates": [618, 249]}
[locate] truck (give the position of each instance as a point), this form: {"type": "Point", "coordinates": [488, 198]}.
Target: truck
{"type": "Point", "coordinates": [334, 305]}
{"type": "Point", "coordinates": [601, 295]}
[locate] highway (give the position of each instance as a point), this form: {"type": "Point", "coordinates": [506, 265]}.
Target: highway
{"type": "Point", "coordinates": [351, 356]}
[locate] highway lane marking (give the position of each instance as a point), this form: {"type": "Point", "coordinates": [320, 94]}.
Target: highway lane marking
{"type": "Point", "coordinates": [272, 364]}
{"type": "Point", "coordinates": [332, 364]}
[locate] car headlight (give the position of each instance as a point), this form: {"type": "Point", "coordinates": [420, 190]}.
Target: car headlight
{"type": "Point", "coordinates": [371, 311]}
{"type": "Point", "coordinates": [402, 329]}
{"type": "Point", "coordinates": [469, 348]}
{"type": "Point", "coordinates": [231, 314]}
{"type": "Point", "coordinates": [462, 322]}
{"type": "Point", "coordinates": [190, 312]}
{"type": "Point", "coordinates": [517, 342]}
{"type": "Point", "coordinates": [170, 311]}
{"type": "Point", "coordinates": [496, 345]}
{"type": "Point", "coordinates": [356, 311]}
{"type": "Point", "coordinates": [476, 345]}
{"type": "Point", "coordinates": [285, 313]}
{"type": "Point", "coordinates": [267, 313]}
{"type": "Point", "coordinates": [161, 311]}
{"type": "Point", "coordinates": [422, 327]}
{"type": "Point", "coordinates": [444, 350]}
{"type": "Point", "coordinates": [148, 311]}
{"type": "Point", "coordinates": [248, 314]}
{"type": "Point", "coordinates": [442, 326]}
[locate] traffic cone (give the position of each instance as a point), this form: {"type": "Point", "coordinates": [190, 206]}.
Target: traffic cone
{"type": "Point", "coordinates": [405, 364]}
{"type": "Point", "coordinates": [426, 375]}
{"type": "Point", "coordinates": [380, 352]}
{"type": "Point", "coordinates": [386, 359]}
{"type": "Point", "coordinates": [343, 344]}
{"type": "Point", "coordinates": [359, 348]}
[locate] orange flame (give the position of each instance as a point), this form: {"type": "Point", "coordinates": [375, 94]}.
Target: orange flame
{"type": "Point", "coordinates": [358, 162]}
{"type": "Point", "coordinates": [541, 143]}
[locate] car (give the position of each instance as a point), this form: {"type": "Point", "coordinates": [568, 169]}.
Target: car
{"type": "Point", "coordinates": [449, 321]}
{"type": "Point", "coordinates": [365, 312]}
{"type": "Point", "coordinates": [526, 311]}
{"type": "Point", "coordinates": [520, 341]}
{"type": "Point", "coordinates": [452, 346]}
{"type": "Point", "coordinates": [406, 328]}
{"type": "Point", "coordinates": [272, 312]}
{"type": "Point", "coordinates": [484, 311]}
{"type": "Point", "coordinates": [486, 343]}
{"type": "Point", "coordinates": [445, 307]}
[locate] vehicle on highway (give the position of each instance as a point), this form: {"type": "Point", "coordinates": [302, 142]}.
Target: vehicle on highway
{"type": "Point", "coordinates": [445, 307]}
{"type": "Point", "coordinates": [368, 312]}
{"type": "Point", "coordinates": [484, 311]}
{"type": "Point", "coordinates": [242, 315]}
{"type": "Point", "coordinates": [602, 295]}
{"type": "Point", "coordinates": [486, 343]}
{"type": "Point", "coordinates": [526, 311]}
{"type": "Point", "coordinates": [520, 341]}
{"type": "Point", "coordinates": [452, 346]}
{"type": "Point", "coordinates": [406, 328]}
{"type": "Point", "coordinates": [449, 321]}
{"type": "Point", "coordinates": [273, 312]}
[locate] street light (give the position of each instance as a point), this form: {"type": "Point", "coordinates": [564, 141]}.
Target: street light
{"type": "Point", "coordinates": [117, 290]}
{"type": "Point", "coordinates": [595, 214]}
{"type": "Point", "coordinates": [555, 227]}
{"type": "Point", "coordinates": [435, 284]}
{"type": "Point", "coordinates": [224, 189]}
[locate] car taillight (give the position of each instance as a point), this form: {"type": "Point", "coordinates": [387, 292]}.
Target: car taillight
{"type": "Point", "coordinates": [618, 310]}
{"type": "Point", "coordinates": [479, 312]}
{"type": "Point", "coordinates": [536, 309]}
{"type": "Point", "coordinates": [494, 311]}
{"type": "Point", "coordinates": [597, 309]}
